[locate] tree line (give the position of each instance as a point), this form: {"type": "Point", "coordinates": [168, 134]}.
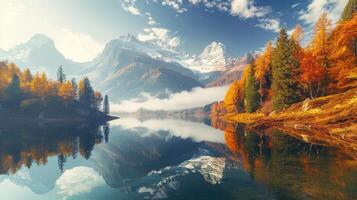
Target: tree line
{"type": "Point", "coordinates": [22, 89]}
{"type": "Point", "coordinates": [286, 72]}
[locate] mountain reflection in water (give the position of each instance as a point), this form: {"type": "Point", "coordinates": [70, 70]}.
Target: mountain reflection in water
{"type": "Point", "coordinates": [168, 159]}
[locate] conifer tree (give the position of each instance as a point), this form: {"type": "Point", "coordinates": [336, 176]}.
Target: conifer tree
{"type": "Point", "coordinates": [349, 11]}
{"type": "Point", "coordinates": [13, 91]}
{"type": "Point", "coordinates": [251, 90]}
{"type": "Point", "coordinates": [284, 64]}
{"type": "Point", "coordinates": [75, 87]}
{"type": "Point", "coordinates": [347, 14]}
{"type": "Point", "coordinates": [27, 76]}
{"type": "Point", "coordinates": [321, 47]}
{"type": "Point", "coordinates": [86, 93]}
{"type": "Point", "coordinates": [61, 77]}
{"type": "Point", "coordinates": [263, 71]}
{"type": "Point", "coordinates": [106, 108]}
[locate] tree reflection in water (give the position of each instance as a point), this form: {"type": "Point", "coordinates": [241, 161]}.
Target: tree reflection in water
{"type": "Point", "coordinates": [27, 144]}
{"type": "Point", "coordinates": [291, 168]}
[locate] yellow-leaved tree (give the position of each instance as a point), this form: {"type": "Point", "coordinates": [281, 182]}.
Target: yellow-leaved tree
{"type": "Point", "coordinates": [343, 55]}
{"type": "Point", "coordinates": [320, 46]}
{"type": "Point", "coordinates": [39, 85]}
{"type": "Point", "coordinates": [263, 71]}
{"type": "Point", "coordinates": [67, 91]}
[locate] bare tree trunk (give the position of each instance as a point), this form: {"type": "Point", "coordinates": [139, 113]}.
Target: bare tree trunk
{"type": "Point", "coordinates": [310, 89]}
{"type": "Point", "coordinates": [318, 89]}
{"type": "Point", "coordinates": [261, 92]}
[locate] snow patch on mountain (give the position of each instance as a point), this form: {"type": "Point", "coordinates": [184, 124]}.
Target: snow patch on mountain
{"type": "Point", "coordinates": [213, 58]}
{"type": "Point", "coordinates": [211, 168]}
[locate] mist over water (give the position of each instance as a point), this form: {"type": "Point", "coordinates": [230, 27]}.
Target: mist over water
{"type": "Point", "coordinates": [198, 97]}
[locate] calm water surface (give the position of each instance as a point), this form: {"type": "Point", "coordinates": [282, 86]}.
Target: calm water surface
{"type": "Point", "coordinates": [168, 159]}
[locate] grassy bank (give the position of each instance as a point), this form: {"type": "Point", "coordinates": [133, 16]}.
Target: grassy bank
{"type": "Point", "coordinates": [334, 114]}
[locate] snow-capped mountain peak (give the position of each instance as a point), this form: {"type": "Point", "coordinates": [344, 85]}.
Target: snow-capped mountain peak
{"type": "Point", "coordinates": [214, 49]}
{"type": "Point", "coordinates": [39, 40]}
{"type": "Point", "coordinates": [213, 58]}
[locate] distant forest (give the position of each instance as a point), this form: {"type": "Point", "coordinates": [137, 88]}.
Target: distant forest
{"type": "Point", "coordinates": [34, 94]}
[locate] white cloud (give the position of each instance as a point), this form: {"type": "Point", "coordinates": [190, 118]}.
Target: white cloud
{"type": "Point", "coordinates": [209, 4]}
{"type": "Point", "coordinates": [246, 9]}
{"type": "Point", "coordinates": [160, 36]}
{"type": "Point", "coordinates": [295, 5]}
{"type": "Point", "coordinates": [269, 24]}
{"type": "Point", "coordinates": [242, 8]}
{"type": "Point", "coordinates": [129, 5]}
{"type": "Point", "coordinates": [314, 10]}
{"type": "Point", "coordinates": [133, 10]}
{"type": "Point", "coordinates": [198, 97]}
{"type": "Point", "coordinates": [78, 180]}
{"type": "Point", "coordinates": [151, 21]}
{"type": "Point", "coordinates": [77, 46]}
{"type": "Point", "coordinates": [174, 4]}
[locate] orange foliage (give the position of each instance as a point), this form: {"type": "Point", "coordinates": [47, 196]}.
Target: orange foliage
{"type": "Point", "coordinates": [263, 68]}
{"type": "Point", "coordinates": [321, 44]}
{"type": "Point", "coordinates": [297, 34]}
{"type": "Point", "coordinates": [343, 56]}
{"type": "Point", "coordinates": [263, 62]}
{"type": "Point", "coordinates": [312, 73]}
{"type": "Point", "coordinates": [233, 96]}
{"type": "Point", "coordinates": [218, 108]}
{"type": "Point", "coordinates": [67, 91]}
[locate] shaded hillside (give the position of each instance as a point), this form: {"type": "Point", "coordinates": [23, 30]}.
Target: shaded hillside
{"type": "Point", "coordinates": [233, 72]}
{"type": "Point", "coordinates": [226, 79]}
{"type": "Point", "coordinates": [147, 75]}
{"type": "Point", "coordinates": [125, 72]}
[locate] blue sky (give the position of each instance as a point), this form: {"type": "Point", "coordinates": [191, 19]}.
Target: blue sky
{"type": "Point", "coordinates": [81, 28]}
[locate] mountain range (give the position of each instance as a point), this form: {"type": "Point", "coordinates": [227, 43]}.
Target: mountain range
{"type": "Point", "coordinates": [129, 68]}
{"type": "Point", "coordinates": [40, 54]}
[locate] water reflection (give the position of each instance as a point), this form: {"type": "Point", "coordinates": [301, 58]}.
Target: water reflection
{"type": "Point", "coordinates": [28, 144]}
{"type": "Point", "coordinates": [167, 158]}
{"type": "Point", "coordinates": [292, 168]}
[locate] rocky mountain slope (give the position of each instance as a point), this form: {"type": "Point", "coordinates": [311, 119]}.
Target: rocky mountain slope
{"type": "Point", "coordinates": [128, 68]}
{"type": "Point", "coordinates": [125, 71]}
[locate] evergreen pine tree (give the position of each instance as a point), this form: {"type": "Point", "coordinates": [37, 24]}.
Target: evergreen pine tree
{"type": "Point", "coordinates": [13, 91]}
{"type": "Point", "coordinates": [86, 93]}
{"type": "Point", "coordinates": [106, 105]}
{"type": "Point", "coordinates": [75, 87]}
{"type": "Point", "coordinates": [349, 11]}
{"type": "Point", "coordinates": [251, 90]}
{"type": "Point", "coordinates": [347, 14]}
{"type": "Point", "coordinates": [284, 66]}
{"type": "Point", "coordinates": [61, 77]}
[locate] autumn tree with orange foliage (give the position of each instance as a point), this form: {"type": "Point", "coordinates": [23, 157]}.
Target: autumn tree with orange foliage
{"type": "Point", "coordinates": [263, 71]}
{"type": "Point", "coordinates": [67, 92]}
{"type": "Point", "coordinates": [320, 46]}
{"type": "Point", "coordinates": [343, 56]}
{"type": "Point", "coordinates": [22, 89]}
{"type": "Point", "coordinates": [233, 100]}
{"type": "Point", "coordinates": [39, 85]}
{"type": "Point", "coordinates": [312, 74]}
